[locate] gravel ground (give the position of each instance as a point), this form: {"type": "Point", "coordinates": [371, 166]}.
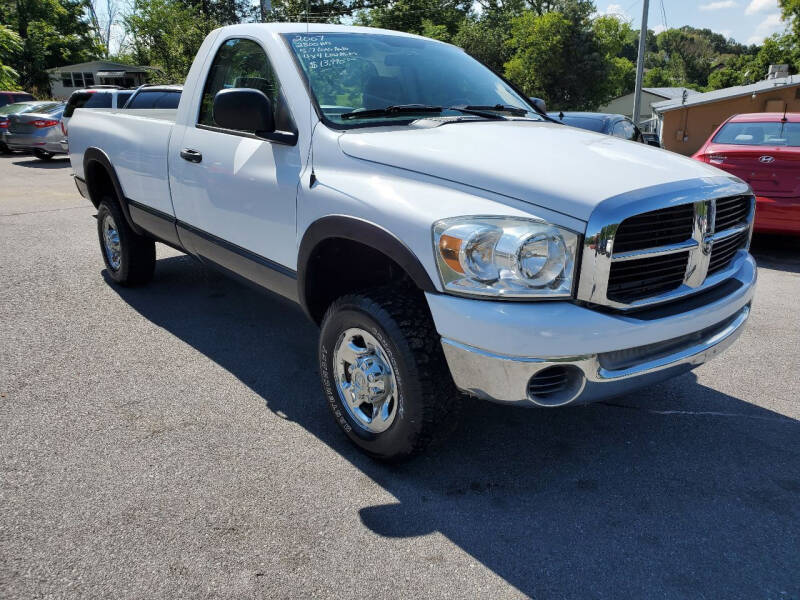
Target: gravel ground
{"type": "Point", "coordinates": [173, 441]}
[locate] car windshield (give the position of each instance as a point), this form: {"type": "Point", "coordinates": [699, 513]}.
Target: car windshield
{"type": "Point", "coordinates": [597, 125]}
{"type": "Point", "coordinates": [23, 107]}
{"type": "Point", "coordinates": [354, 72]}
{"type": "Point", "coordinates": [759, 134]}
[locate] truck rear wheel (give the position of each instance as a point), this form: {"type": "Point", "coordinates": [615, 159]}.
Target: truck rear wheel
{"type": "Point", "coordinates": [130, 258]}
{"type": "Point", "coordinates": [384, 373]}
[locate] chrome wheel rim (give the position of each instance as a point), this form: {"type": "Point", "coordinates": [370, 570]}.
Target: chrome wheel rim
{"type": "Point", "coordinates": [365, 381]}
{"type": "Point", "coordinates": [111, 243]}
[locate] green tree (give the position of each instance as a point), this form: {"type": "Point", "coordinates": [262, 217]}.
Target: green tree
{"type": "Point", "coordinates": [165, 34]}
{"type": "Point", "coordinates": [10, 47]}
{"type": "Point", "coordinates": [52, 33]}
{"type": "Point", "coordinates": [556, 57]}
{"type": "Point", "coordinates": [410, 15]}
{"type": "Point", "coordinates": [612, 35]}
{"type": "Point", "coordinates": [485, 40]}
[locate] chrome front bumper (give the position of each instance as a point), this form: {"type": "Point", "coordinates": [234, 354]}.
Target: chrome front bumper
{"type": "Point", "coordinates": [590, 377]}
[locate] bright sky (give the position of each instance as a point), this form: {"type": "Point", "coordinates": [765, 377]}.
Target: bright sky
{"type": "Point", "coordinates": [747, 21]}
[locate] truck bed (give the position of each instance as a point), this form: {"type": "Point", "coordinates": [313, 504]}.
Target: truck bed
{"type": "Point", "coordinates": [136, 142]}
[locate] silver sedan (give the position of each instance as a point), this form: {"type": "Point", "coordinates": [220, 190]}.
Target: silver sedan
{"type": "Point", "coordinates": [38, 131]}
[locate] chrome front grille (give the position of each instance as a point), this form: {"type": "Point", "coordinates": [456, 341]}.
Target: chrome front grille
{"type": "Point", "coordinates": [731, 212]}
{"type": "Point", "coordinates": [633, 280]}
{"type": "Point", "coordinates": [655, 228]}
{"type": "Point", "coordinates": [724, 250]}
{"type": "Point", "coordinates": [686, 241]}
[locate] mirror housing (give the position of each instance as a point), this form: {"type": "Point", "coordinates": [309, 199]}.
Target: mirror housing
{"type": "Point", "coordinates": [244, 109]}
{"type": "Point", "coordinates": [540, 104]}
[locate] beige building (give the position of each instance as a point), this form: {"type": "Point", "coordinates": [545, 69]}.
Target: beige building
{"type": "Point", "coordinates": [624, 104]}
{"type": "Point", "coordinates": [685, 124]}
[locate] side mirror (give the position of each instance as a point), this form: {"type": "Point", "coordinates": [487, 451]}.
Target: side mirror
{"type": "Point", "coordinates": [539, 104]}
{"type": "Point", "coordinates": [244, 109]}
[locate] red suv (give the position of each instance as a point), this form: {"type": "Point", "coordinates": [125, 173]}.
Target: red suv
{"type": "Point", "coordinates": [764, 150]}
{"type": "Point", "coordinates": [11, 97]}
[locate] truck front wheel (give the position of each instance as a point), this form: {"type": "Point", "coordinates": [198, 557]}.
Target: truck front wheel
{"type": "Point", "coordinates": [130, 258]}
{"type": "Point", "coordinates": [384, 373]}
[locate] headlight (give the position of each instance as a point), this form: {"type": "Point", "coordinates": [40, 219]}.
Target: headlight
{"type": "Point", "coordinates": [505, 256]}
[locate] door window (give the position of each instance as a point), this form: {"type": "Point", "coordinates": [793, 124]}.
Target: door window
{"type": "Point", "coordinates": [242, 63]}
{"type": "Point", "coordinates": [624, 130]}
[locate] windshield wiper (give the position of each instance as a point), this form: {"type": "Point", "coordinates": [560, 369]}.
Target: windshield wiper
{"type": "Point", "coordinates": [395, 109]}
{"type": "Point", "coordinates": [502, 108]}
{"type": "Point", "coordinates": [487, 112]}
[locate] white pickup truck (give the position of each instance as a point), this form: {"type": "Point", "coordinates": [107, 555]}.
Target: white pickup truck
{"type": "Point", "coordinates": [441, 230]}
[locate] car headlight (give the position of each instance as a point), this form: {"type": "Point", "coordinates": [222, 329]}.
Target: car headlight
{"type": "Point", "coordinates": [507, 257]}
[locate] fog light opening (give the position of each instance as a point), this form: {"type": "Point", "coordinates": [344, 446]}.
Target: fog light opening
{"type": "Point", "coordinates": [556, 386]}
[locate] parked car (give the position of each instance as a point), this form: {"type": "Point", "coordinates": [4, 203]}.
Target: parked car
{"type": "Point", "coordinates": [764, 150]}
{"type": "Point", "coordinates": [19, 108]}
{"type": "Point", "coordinates": [11, 97]}
{"type": "Point", "coordinates": [95, 97]}
{"type": "Point", "coordinates": [37, 131]}
{"type": "Point", "coordinates": [155, 96]}
{"type": "Point", "coordinates": [443, 233]}
{"type": "Point", "coordinates": [617, 125]}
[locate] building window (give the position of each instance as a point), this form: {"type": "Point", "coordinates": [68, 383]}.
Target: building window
{"type": "Point", "coordinates": [89, 79]}
{"type": "Point", "coordinates": [66, 79]}
{"type": "Point", "coordinates": [77, 78]}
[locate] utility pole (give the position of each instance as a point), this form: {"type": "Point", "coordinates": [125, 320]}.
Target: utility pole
{"type": "Point", "coordinates": [637, 94]}
{"type": "Point", "coordinates": [266, 9]}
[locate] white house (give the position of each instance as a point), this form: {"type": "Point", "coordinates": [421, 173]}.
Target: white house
{"type": "Point", "coordinates": [65, 80]}
{"type": "Point", "coordinates": [650, 95]}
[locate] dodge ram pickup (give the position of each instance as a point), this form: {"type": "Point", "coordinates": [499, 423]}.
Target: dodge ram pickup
{"type": "Point", "coordinates": [443, 232]}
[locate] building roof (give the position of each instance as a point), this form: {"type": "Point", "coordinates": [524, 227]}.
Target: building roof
{"type": "Point", "coordinates": [727, 93]}
{"type": "Point", "coordinates": [669, 92]}
{"type": "Point", "coordinates": [101, 65]}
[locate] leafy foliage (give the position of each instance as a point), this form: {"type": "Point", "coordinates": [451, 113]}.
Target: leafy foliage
{"type": "Point", "coordinates": [50, 33]}
{"type": "Point", "coordinates": [10, 45]}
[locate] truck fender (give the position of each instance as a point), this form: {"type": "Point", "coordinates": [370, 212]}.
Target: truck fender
{"type": "Point", "coordinates": [95, 155]}
{"type": "Point", "coordinates": [363, 232]}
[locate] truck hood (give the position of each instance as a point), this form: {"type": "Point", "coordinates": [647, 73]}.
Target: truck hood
{"type": "Point", "coordinates": [546, 164]}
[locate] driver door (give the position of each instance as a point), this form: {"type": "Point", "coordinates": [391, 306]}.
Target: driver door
{"type": "Point", "coordinates": [233, 192]}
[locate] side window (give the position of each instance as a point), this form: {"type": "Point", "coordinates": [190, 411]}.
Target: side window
{"type": "Point", "coordinates": [242, 63]}
{"type": "Point", "coordinates": [97, 100]}
{"type": "Point", "coordinates": [122, 99]}
{"type": "Point", "coordinates": [624, 130]}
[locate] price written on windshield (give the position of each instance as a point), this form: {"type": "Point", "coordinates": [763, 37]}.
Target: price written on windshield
{"type": "Point", "coordinates": [316, 51]}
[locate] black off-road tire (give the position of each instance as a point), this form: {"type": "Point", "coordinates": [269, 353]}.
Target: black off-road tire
{"type": "Point", "coordinates": [43, 154]}
{"type": "Point", "coordinates": [137, 256]}
{"type": "Point", "coordinates": [399, 319]}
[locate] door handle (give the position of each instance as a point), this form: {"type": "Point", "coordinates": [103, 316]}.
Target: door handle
{"type": "Point", "coordinates": [191, 155]}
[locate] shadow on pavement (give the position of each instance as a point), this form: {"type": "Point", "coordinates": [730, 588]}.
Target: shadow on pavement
{"type": "Point", "coordinates": [780, 252]}
{"type": "Point", "coordinates": [679, 491]}
{"type": "Point", "coordinates": [34, 163]}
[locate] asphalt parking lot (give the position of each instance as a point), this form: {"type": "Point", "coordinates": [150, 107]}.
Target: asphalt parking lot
{"type": "Point", "coordinates": [173, 441]}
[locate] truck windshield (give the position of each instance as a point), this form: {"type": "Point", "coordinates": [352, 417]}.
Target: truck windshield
{"type": "Point", "coordinates": [353, 72]}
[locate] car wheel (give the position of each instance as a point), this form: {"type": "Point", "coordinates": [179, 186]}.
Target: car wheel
{"type": "Point", "coordinates": [384, 373]}
{"type": "Point", "coordinates": [43, 154]}
{"type": "Point", "coordinates": [130, 258]}
{"type": "Point", "coordinates": [4, 149]}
